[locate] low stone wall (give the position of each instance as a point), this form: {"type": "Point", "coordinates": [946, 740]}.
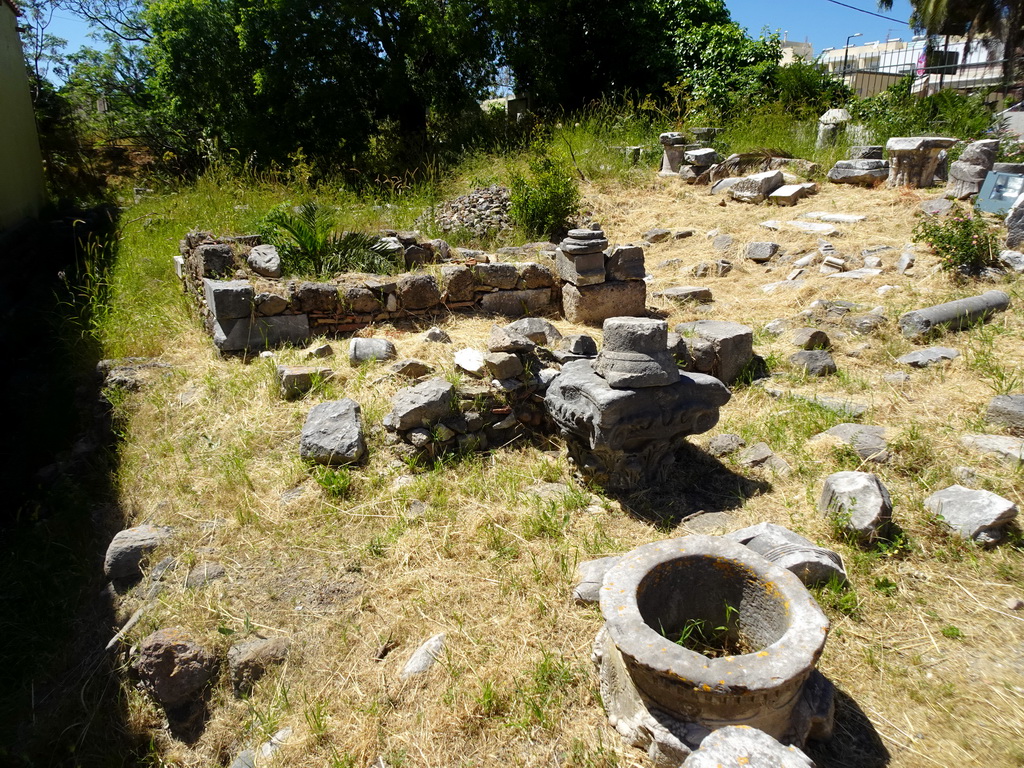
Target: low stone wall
{"type": "Point", "coordinates": [245, 312]}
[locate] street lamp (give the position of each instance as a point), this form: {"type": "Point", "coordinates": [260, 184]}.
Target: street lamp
{"type": "Point", "coordinates": [846, 53]}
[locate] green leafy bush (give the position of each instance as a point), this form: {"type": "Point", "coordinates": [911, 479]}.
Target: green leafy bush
{"type": "Point", "coordinates": [311, 245]}
{"type": "Point", "coordinates": [543, 203]}
{"type": "Point", "coordinates": [964, 242]}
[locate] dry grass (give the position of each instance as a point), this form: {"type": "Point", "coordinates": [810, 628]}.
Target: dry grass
{"type": "Point", "coordinates": [213, 452]}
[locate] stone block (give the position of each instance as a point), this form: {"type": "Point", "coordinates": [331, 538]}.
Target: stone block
{"type": "Point", "coordinates": [925, 358]}
{"type": "Point", "coordinates": [625, 262]}
{"type": "Point", "coordinates": [229, 299]}
{"type": "Point", "coordinates": [593, 304]}
{"type": "Point", "coordinates": [589, 577]}
{"type": "Point", "coordinates": [214, 260]}
{"type": "Point", "coordinates": [813, 565]}
{"type": "Point", "coordinates": [756, 187]}
{"type": "Point", "coordinates": [787, 195]}
{"type": "Point", "coordinates": [457, 283]}
{"type": "Point", "coordinates": [421, 405]}
{"type": "Point", "coordinates": [124, 555]}
{"type": "Point", "coordinates": [518, 303]}
{"type": "Point", "coordinates": [737, 745]}
{"type": "Point", "coordinates": [253, 334]}
{"type": "Point", "coordinates": [418, 291]}
{"type": "Point", "coordinates": [731, 346]}
{"type": "Point", "coordinates": [296, 380]}
{"type": "Point", "coordinates": [1007, 411]}
{"type": "Point", "coordinates": [501, 276]}
{"type": "Point", "coordinates": [760, 252]}
{"type": "Point", "coordinates": [533, 275]}
{"type": "Point", "coordinates": [503, 365]}
{"type": "Point", "coordinates": [537, 330]}
{"type": "Point", "coordinates": [588, 269]}
{"type": "Point", "coordinates": [814, 362]}
{"type": "Point", "coordinates": [635, 354]}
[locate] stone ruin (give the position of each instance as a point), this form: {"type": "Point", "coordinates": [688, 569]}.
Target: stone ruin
{"type": "Point", "coordinates": [967, 174]}
{"type": "Point", "coordinates": [625, 414]}
{"type": "Point", "coordinates": [665, 697]}
{"type": "Point", "coordinates": [599, 283]}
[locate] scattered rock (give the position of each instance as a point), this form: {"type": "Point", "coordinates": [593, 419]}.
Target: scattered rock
{"type": "Point", "coordinates": [857, 503]}
{"type": "Point", "coordinates": [973, 514]}
{"type": "Point", "coordinates": [868, 441]}
{"type": "Point", "coordinates": [811, 338]}
{"type": "Point", "coordinates": [424, 657]}
{"type": "Point", "coordinates": [203, 574]}
{"type": "Point", "coordinates": [471, 361]}
{"type": "Point", "coordinates": [174, 667]}
{"type": "Point", "coordinates": [923, 358]}
{"type": "Point", "coordinates": [536, 329]}
{"type": "Point", "coordinates": [503, 365]}
{"type": "Point", "coordinates": [686, 293]}
{"type": "Point", "coordinates": [508, 340]}
{"type": "Point", "coordinates": [760, 252]}
{"type": "Point", "coordinates": [248, 661]}
{"type": "Point", "coordinates": [128, 547]}
{"type": "Point", "coordinates": [721, 349]}
{"type": "Point", "coordinates": [436, 336]}
{"type": "Point", "coordinates": [265, 260]}
{"type": "Point", "coordinates": [1007, 449]}
{"type": "Point", "coordinates": [657, 235]}
{"type": "Point", "coordinates": [814, 362]}
{"type": "Point", "coordinates": [725, 444]}
{"type": "Point", "coordinates": [333, 433]}
{"type": "Point", "coordinates": [410, 368]}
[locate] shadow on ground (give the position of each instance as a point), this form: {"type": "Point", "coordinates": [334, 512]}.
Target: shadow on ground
{"type": "Point", "coordinates": [855, 743]}
{"type": "Point", "coordinates": [699, 484]}
{"type": "Point", "coordinates": [60, 701]}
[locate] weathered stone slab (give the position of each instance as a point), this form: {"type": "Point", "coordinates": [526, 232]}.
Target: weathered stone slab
{"type": "Point", "coordinates": [806, 227]}
{"type": "Point", "coordinates": [833, 218]}
{"type": "Point", "coordinates": [252, 334]}
{"type": "Point", "coordinates": [501, 276]}
{"type": "Point", "coordinates": [333, 433]}
{"type": "Point", "coordinates": [1007, 449]}
{"type": "Point", "coordinates": [867, 440]}
{"type": "Point", "coordinates": [698, 294]}
{"type": "Point", "coordinates": [923, 358]}
{"type": "Point", "coordinates": [760, 252]}
{"type": "Point", "coordinates": [973, 514]}
{"type": "Point", "coordinates": [866, 173]}
{"type": "Point", "coordinates": [730, 346]}
{"type": "Point", "coordinates": [757, 187]}
{"type": "Point", "coordinates": [814, 362]}
{"type": "Point", "coordinates": [858, 503]}
{"type": "Point", "coordinates": [625, 262]}
{"type": "Point", "coordinates": [813, 565]}
{"type": "Point", "coordinates": [518, 303]}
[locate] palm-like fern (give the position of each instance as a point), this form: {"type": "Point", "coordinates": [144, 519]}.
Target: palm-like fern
{"type": "Point", "coordinates": [317, 248]}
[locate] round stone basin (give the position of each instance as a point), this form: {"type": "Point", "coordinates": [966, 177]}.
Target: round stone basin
{"type": "Point", "coordinates": [659, 590]}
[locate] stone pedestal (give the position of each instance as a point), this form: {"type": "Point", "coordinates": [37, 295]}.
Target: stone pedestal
{"type": "Point", "coordinates": [913, 160]}
{"type": "Point", "coordinates": [674, 146]}
{"type": "Point", "coordinates": [665, 697]}
{"type": "Point", "coordinates": [831, 126]}
{"type": "Point", "coordinates": [625, 415]}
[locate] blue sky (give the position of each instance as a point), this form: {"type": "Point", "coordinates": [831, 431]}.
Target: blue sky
{"type": "Point", "coordinates": [824, 24]}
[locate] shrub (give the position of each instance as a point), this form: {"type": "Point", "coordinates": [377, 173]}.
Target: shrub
{"type": "Point", "coordinates": [311, 245]}
{"type": "Point", "coordinates": [543, 203]}
{"type": "Point", "coordinates": [964, 242]}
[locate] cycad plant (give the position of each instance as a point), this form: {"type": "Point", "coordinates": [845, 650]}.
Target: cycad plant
{"type": "Point", "coordinates": [318, 249]}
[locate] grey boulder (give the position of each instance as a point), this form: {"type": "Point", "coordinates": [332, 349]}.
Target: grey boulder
{"type": "Point", "coordinates": [1007, 411]}
{"type": "Point", "coordinates": [248, 661]}
{"type": "Point", "coordinates": [858, 504]}
{"type": "Point", "coordinates": [421, 405]}
{"type": "Point", "coordinates": [128, 547]}
{"type": "Point", "coordinates": [265, 260]}
{"type": "Point", "coordinates": [973, 514]}
{"type": "Point", "coordinates": [333, 433]}
{"type": "Point", "coordinates": [174, 667]}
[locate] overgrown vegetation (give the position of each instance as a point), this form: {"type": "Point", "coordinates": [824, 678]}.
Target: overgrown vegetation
{"type": "Point", "coordinates": [964, 242]}
{"type": "Point", "coordinates": [544, 200]}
